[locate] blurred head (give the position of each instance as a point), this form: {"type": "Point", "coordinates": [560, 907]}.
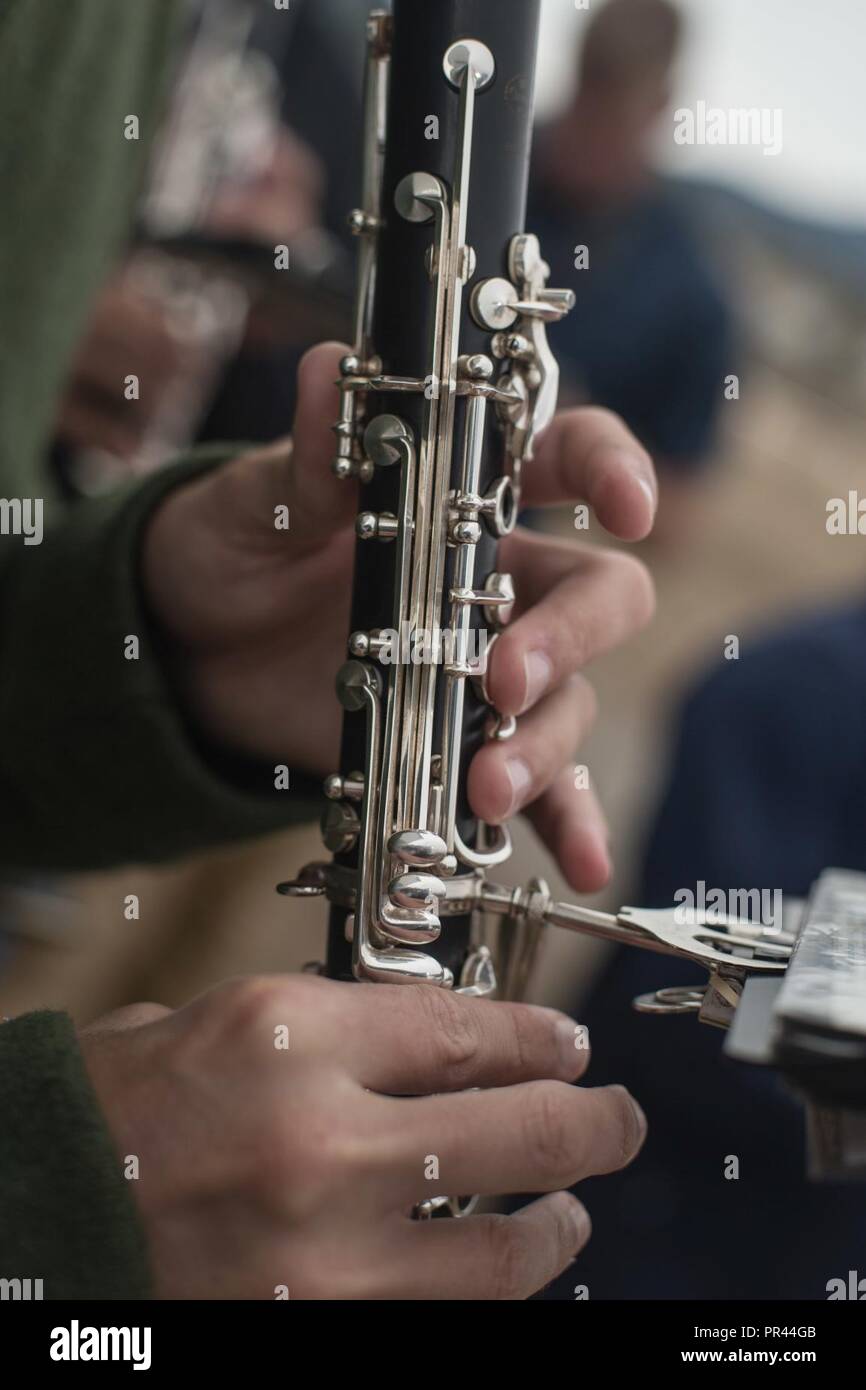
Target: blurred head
{"type": "Point", "coordinates": [625, 72]}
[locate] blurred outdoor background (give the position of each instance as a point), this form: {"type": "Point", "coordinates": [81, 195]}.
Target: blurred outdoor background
{"type": "Point", "coordinates": [706, 262]}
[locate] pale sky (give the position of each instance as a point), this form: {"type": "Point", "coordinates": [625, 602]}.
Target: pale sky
{"type": "Point", "coordinates": [805, 57]}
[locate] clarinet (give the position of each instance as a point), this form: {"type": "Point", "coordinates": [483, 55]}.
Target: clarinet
{"type": "Point", "coordinates": [449, 382]}
{"type": "Point", "coordinates": [438, 479]}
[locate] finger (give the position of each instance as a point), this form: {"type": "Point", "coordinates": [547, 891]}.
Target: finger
{"type": "Point", "coordinates": [419, 1039]}
{"type": "Point", "coordinates": [505, 777]}
{"type": "Point", "coordinates": [321, 502]}
{"type": "Point", "coordinates": [589, 455]}
{"type": "Point", "coordinates": [571, 823]}
{"type": "Point", "coordinates": [578, 602]}
{"type": "Point", "coordinates": [121, 1020]}
{"type": "Point", "coordinates": [548, 1136]}
{"type": "Point", "coordinates": [496, 1257]}
{"type": "Point", "coordinates": [293, 474]}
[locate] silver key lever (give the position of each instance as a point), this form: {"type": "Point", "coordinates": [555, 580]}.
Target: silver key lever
{"type": "Point", "coordinates": [713, 941]}
{"type": "Point", "coordinates": [729, 948]}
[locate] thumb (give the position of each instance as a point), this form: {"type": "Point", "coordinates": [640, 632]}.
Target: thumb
{"type": "Point", "coordinates": [121, 1020]}
{"type": "Point", "coordinates": [322, 503]}
{"type": "Point", "coordinates": [292, 473]}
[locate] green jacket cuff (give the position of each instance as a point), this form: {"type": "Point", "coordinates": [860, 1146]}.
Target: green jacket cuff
{"type": "Point", "coordinates": [67, 1214]}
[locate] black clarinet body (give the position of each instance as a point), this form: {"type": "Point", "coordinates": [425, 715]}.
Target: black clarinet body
{"type": "Point", "coordinates": [422, 134]}
{"type": "Point", "coordinates": [448, 382]}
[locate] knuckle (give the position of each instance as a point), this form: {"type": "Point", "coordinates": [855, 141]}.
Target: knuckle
{"type": "Point", "coordinates": [548, 1133]}
{"type": "Point", "coordinates": [524, 1036]}
{"type": "Point", "coordinates": [249, 1000]}
{"type": "Point", "coordinates": [242, 1002]}
{"type": "Point", "coordinates": [454, 1034]}
{"type": "Point", "coordinates": [310, 1152]}
{"type": "Point", "coordinates": [243, 1014]}
{"type": "Point", "coordinates": [509, 1254]}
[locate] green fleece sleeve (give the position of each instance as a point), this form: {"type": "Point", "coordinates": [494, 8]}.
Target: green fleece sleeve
{"type": "Point", "coordinates": [72, 74]}
{"type": "Point", "coordinates": [98, 765]}
{"type": "Point", "coordinates": [67, 1214]}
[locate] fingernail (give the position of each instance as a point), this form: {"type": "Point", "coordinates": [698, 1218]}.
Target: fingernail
{"type": "Point", "coordinates": [640, 1119]}
{"type": "Point", "coordinates": [519, 778]}
{"type": "Point", "coordinates": [603, 847]}
{"type": "Point", "coordinates": [581, 1222]}
{"type": "Point", "coordinates": [538, 672]}
{"type": "Point", "coordinates": [647, 490]}
{"type": "Point", "coordinates": [583, 1225]}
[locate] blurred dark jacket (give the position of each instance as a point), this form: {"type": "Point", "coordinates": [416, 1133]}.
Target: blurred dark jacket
{"type": "Point", "coordinates": [651, 334]}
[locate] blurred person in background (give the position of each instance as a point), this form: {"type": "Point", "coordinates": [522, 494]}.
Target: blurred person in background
{"type": "Point", "coordinates": [651, 335]}
{"type": "Point", "coordinates": [767, 784]}
{"type": "Point", "coordinates": [200, 310]}
{"type": "Point", "coordinates": [319, 74]}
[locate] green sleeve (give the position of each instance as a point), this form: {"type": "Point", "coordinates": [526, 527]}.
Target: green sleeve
{"type": "Point", "coordinates": [98, 765]}
{"type": "Point", "coordinates": [71, 74]}
{"type": "Point", "coordinates": [67, 1214]}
